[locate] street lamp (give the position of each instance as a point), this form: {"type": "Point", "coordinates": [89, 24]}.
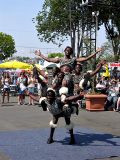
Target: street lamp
{"type": "Point", "coordinates": [70, 16]}
{"type": "Point", "coordinates": [95, 14]}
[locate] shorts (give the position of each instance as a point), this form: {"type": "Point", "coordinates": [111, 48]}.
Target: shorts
{"type": "Point", "coordinates": [6, 90]}
{"type": "Point", "coordinates": [21, 92]}
{"type": "Point", "coordinates": [31, 90]}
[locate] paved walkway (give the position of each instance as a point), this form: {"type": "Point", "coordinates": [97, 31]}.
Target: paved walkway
{"type": "Point", "coordinates": [32, 119]}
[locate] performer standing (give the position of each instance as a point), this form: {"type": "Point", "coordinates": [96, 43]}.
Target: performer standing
{"type": "Point", "coordinates": [85, 83]}
{"type": "Point", "coordinates": [58, 109]}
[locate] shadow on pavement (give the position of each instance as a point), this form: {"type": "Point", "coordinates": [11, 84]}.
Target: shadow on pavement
{"type": "Point", "coordinates": [88, 139]}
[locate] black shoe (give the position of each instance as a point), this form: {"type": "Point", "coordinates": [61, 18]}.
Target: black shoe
{"type": "Point", "coordinates": [72, 141]}
{"type": "Point", "coordinates": [49, 141]}
{"type": "Point", "coordinates": [77, 110]}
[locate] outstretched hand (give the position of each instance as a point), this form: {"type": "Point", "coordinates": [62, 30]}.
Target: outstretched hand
{"type": "Point", "coordinates": [103, 62]}
{"type": "Point", "coordinates": [82, 93]}
{"type": "Point", "coordinates": [99, 49]}
{"type": "Point", "coordinates": [38, 53]}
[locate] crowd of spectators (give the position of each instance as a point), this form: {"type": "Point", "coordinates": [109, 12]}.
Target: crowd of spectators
{"type": "Point", "coordinates": [106, 85]}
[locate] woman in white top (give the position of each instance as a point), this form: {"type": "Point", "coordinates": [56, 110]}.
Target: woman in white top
{"type": "Point", "coordinates": [31, 87]}
{"type": "Point", "coordinates": [6, 86]}
{"type": "Point", "coordinates": [21, 82]}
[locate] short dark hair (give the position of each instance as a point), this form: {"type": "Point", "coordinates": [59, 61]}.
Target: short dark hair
{"type": "Point", "coordinates": [68, 47]}
{"type": "Point", "coordinates": [78, 64]}
{"type": "Point", "coordinates": [51, 93]}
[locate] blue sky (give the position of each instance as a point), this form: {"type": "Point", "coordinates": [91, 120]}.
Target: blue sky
{"type": "Point", "coordinates": [16, 20]}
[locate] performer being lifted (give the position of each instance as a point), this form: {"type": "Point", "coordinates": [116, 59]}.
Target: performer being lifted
{"type": "Point", "coordinates": [67, 65]}
{"type": "Point", "coordinates": [82, 80]}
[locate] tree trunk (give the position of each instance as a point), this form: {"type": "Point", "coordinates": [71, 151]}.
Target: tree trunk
{"type": "Point", "coordinates": [73, 40]}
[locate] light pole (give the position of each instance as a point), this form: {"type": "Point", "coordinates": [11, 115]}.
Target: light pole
{"type": "Point", "coordinates": [71, 9]}
{"type": "Point", "coordinates": [95, 15]}
{"type": "Point", "coordinates": [70, 16]}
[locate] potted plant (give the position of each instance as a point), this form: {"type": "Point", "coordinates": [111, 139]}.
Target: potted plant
{"type": "Point", "coordinates": [95, 101]}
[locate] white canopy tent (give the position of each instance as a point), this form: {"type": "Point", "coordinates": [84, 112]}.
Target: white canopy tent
{"type": "Point", "coordinates": [46, 64]}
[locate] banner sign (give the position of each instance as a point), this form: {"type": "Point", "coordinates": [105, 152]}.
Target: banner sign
{"type": "Point", "coordinates": [114, 64]}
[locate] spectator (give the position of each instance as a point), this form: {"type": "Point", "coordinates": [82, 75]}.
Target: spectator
{"type": "Point", "coordinates": [6, 86]}
{"type": "Point", "coordinates": [21, 82]}
{"type": "Point", "coordinates": [118, 105]}
{"type": "Point", "coordinates": [114, 73]}
{"type": "Point", "coordinates": [25, 83]}
{"type": "Point", "coordinates": [101, 87]}
{"type": "Point", "coordinates": [31, 87]}
{"type": "Point", "coordinates": [113, 94]}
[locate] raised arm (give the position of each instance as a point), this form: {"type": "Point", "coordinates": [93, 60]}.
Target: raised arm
{"type": "Point", "coordinates": [54, 60]}
{"type": "Point", "coordinates": [98, 68]}
{"type": "Point", "coordinates": [42, 73]}
{"type": "Point", "coordinates": [82, 59]}
{"type": "Point", "coordinates": [32, 96]}
{"type": "Point", "coordinates": [74, 98]}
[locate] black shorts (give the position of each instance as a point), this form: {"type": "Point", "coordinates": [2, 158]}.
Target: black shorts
{"type": "Point", "coordinates": [6, 89]}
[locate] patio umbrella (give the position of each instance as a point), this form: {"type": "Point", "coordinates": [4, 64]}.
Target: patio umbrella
{"type": "Point", "coordinates": [38, 66]}
{"type": "Point", "coordinates": [16, 65]}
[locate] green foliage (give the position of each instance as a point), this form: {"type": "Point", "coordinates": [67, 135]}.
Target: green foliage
{"type": "Point", "coordinates": [53, 55]}
{"type": "Point", "coordinates": [107, 55]}
{"type": "Point", "coordinates": [107, 48]}
{"type": "Point", "coordinates": [108, 52]}
{"type": "Point", "coordinates": [22, 59]}
{"type": "Point", "coordinates": [53, 22]}
{"type": "Point", "coordinates": [7, 46]}
{"type": "Point", "coordinates": [60, 20]}
{"type": "Point", "coordinates": [108, 15]}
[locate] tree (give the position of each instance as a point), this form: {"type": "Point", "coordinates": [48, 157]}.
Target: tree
{"type": "Point", "coordinates": [108, 52]}
{"type": "Point", "coordinates": [58, 21]}
{"type": "Point", "coordinates": [53, 55]}
{"type": "Point", "coordinates": [109, 17]}
{"type": "Point", "coordinates": [7, 46]}
{"type": "Point", "coordinates": [22, 59]}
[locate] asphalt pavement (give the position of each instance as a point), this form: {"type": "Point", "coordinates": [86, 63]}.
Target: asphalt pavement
{"type": "Point", "coordinates": [14, 117]}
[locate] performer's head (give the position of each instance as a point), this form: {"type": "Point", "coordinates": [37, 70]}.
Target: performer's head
{"type": "Point", "coordinates": [56, 70]}
{"type": "Point", "coordinates": [60, 77]}
{"type": "Point", "coordinates": [35, 72]}
{"type": "Point", "coordinates": [78, 68]}
{"type": "Point", "coordinates": [68, 51]}
{"type": "Point", "coordinates": [50, 95]}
